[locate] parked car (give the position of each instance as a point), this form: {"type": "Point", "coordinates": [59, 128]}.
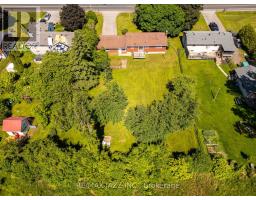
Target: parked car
{"type": "Point", "coordinates": [47, 16]}
{"type": "Point", "coordinates": [213, 26]}
{"type": "Point", "coordinates": [42, 20]}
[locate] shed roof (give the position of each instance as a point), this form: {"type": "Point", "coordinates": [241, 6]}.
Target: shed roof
{"type": "Point", "coordinates": [13, 124]}
{"type": "Point", "coordinates": [225, 39]}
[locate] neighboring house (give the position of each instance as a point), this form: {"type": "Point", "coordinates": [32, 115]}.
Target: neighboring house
{"type": "Point", "coordinates": [208, 44]}
{"type": "Point", "coordinates": [246, 80]}
{"type": "Point", "coordinates": [132, 43]}
{"type": "Point", "coordinates": [16, 126]}
{"type": "Point", "coordinates": [42, 41]}
{"type": "Point", "coordinates": [3, 49]}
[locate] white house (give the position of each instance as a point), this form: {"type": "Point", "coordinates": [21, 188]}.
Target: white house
{"type": "Point", "coordinates": [208, 44]}
{"type": "Point", "coordinates": [41, 40]}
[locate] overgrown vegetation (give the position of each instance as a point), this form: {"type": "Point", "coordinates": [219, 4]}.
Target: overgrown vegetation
{"type": "Point", "coordinates": [65, 156]}
{"type": "Point", "coordinates": [248, 39]}
{"type": "Point", "coordinates": [176, 111]}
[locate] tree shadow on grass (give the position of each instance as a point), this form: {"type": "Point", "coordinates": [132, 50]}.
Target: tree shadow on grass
{"type": "Point", "coordinates": [62, 143]}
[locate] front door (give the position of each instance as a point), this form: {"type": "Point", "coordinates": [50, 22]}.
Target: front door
{"type": "Point", "coordinates": [141, 48]}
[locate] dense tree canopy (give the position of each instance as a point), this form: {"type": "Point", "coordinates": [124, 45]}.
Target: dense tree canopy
{"type": "Point", "coordinates": [91, 15]}
{"type": "Point", "coordinates": [110, 104]}
{"type": "Point", "coordinates": [248, 38]}
{"type": "Point", "coordinates": [176, 111]}
{"type": "Point", "coordinates": [192, 13]}
{"type": "Point", "coordinates": [160, 18]}
{"type": "Point", "coordinates": [4, 110]}
{"type": "Point", "coordinates": [72, 17]}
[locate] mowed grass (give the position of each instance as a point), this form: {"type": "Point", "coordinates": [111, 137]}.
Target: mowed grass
{"type": "Point", "coordinates": [200, 25]}
{"type": "Point", "coordinates": [125, 21]}
{"type": "Point", "coordinates": [235, 20]}
{"type": "Point", "coordinates": [215, 108]}
{"type": "Point", "coordinates": [182, 141]}
{"type": "Point", "coordinates": [144, 80]}
{"type": "Point", "coordinates": [99, 25]}
{"type": "Point", "coordinates": [121, 138]}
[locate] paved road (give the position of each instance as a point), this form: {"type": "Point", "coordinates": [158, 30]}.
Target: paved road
{"type": "Point", "coordinates": [95, 7]}
{"type": "Point", "coordinates": [210, 16]}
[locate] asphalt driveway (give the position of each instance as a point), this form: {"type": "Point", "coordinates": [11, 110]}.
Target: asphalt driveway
{"type": "Point", "coordinates": [109, 24]}
{"type": "Point", "coordinates": [210, 16]}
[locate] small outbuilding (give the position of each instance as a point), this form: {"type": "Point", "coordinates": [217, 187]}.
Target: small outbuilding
{"type": "Point", "coordinates": [16, 126]}
{"type": "Point", "coordinates": [10, 67]}
{"type": "Point", "coordinates": [106, 141]}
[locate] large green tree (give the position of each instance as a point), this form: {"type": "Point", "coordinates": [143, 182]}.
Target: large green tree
{"type": "Point", "coordinates": [4, 110]}
{"type": "Point", "coordinates": [72, 17]}
{"type": "Point", "coordinates": [192, 14]}
{"type": "Point", "coordinates": [160, 18]}
{"type": "Point", "coordinates": [248, 38]}
{"type": "Point", "coordinates": [176, 111]}
{"type": "Point", "coordinates": [110, 104]}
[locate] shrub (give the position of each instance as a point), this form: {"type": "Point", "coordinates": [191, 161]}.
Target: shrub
{"type": "Point", "coordinates": [91, 15]}
{"type": "Point", "coordinates": [124, 31]}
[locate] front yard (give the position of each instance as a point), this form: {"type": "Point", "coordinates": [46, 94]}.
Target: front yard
{"type": "Point", "coordinates": [125, 21]}
{"type": "Point", "coordinates": [234, 20]}
{"type": "Point", "coordinates": [99, 25]}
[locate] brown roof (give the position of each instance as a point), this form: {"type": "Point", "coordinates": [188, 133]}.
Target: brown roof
{"type": "Point", "coordinates": [111, 42]}
{"type": "Point", "coordinates": [133, 39]}
{"type": "Point", "coordinates": [146, 39]}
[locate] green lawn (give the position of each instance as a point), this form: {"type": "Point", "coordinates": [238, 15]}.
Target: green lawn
{"type": "Point", "coordinates": [234, 20]}
{"type": "Point", "coordinates": [59, 28]}
{"type": "Point", "coordinates": [200, 25]}
{"type": "Point", "coordinates": [121, 138]}
{"type": "Point", "coordinates": [124, 21]}
{"type": "Point", "coordinates": [182, 141]}
{"type": "Point", "coordinates": [217, 114]}
{"type": "Point", "coordinates": [99, 24]}
{"type": "Point", "coordinates": [145, 80]}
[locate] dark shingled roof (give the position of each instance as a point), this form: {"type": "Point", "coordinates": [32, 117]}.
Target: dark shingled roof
{"type": "Point", "coordinates": [247, 75]}
{"type": "Point", "coordinates": [197, 38]}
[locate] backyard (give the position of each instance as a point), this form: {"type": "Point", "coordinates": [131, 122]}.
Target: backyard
{"type": "Point", "coordinates": [234, 20]}
{"type": "Point", "coordinates": [144, 81]}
